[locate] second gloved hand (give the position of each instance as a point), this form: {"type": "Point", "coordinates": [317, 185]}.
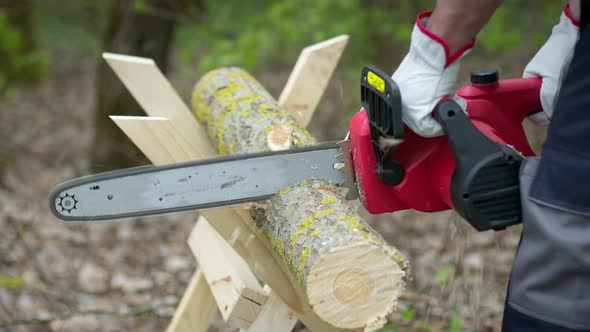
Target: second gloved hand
{"type": "Point", "coordinates": [550, 63]}
{"type": "Point", "coordinates": [427, 74]}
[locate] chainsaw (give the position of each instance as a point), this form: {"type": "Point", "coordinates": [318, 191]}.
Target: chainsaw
{"type": "Point", "coordinates": [473, 169]}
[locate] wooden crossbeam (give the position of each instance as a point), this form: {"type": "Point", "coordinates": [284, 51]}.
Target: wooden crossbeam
{"type": "Point", "coordinates": [166, 144]}
{"type": "Point", "coordinates": [231, 284]}
{"type": "Point", "coordinates": [157, 97]}
{"type": "Point", "coordinates": [194, 312]}
{"type": "Point", "coordinates": [274, 316]}
{"type": "Point", "coordinates": [310, 77]}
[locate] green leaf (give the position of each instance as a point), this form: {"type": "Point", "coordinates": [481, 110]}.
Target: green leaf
{"type": "Point", "coordinates": [389, 325]}
{"type": "Point", "coordinates": [445, 274]}
{"type": "Point", "coordinates": [455, 324]}
{"type": "Point", "coordinates": [11, 282]}
{"type": "Point", "coordinates": [408, 315]}
{"type": "Point", "coordinates": [139, 6]}
{"type": "Point", "coordinates": [402, 33]}
{"type": "Point", "coordinates": [425, 326]}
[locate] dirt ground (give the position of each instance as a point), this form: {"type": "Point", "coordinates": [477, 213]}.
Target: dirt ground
{"type": "Point", "coordinates": [129, 276]}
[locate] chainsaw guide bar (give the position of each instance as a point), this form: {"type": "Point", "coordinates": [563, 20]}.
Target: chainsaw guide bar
{"type": "Point", "coordinates": [151, 190]}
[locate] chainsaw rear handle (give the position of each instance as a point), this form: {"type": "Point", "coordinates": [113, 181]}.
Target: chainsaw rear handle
{"type": "Point", "coordinates": [495, 108]}
{"type": "Point", "coordinates": [484, 186]}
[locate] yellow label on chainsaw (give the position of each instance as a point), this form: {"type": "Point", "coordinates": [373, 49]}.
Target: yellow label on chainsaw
{"type": "Point", "coordinates": [376, 81]}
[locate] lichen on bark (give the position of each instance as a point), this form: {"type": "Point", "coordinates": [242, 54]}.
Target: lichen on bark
{"type": "Point", "coordinates": [310, 219]}
{"type": "Point", "coordinates": [238, 112]}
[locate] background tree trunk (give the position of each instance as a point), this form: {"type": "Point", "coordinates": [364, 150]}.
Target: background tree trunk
{"type": "Point", "coordinates": [145, 31]}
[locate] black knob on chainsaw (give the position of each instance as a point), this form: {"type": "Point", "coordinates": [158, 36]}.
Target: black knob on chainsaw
{"type": "Point", "coordinates": [484, 76]}
{"type": "Point", "coordinates": [485, 187]}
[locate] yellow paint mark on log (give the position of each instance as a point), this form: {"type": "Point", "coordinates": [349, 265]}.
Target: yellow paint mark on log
{"type": "Point", "coordinates": [270, 110]}
{"type": "Point", "coordinates": [281, 248]}
{"type": "Point", "coordinates": [352, 221]}
{"type": "Point", "coordinates": [328, 200]}
{"type": "Point", "coordinates": [302, 228]}
{"type": "Point", "coordinates": [316, 232]}
{"type": "Point", "coordinates": [284, 190]}
{"type": "Point", "coordinates": [302, 260]}
{"type": "Point", "coordinates": [244, 112]}
{"type": "Point", "coordinates": [324, 213]}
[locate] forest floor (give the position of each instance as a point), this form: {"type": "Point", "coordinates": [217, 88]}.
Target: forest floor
{"type": "Point", "coordinates": [129, 276]}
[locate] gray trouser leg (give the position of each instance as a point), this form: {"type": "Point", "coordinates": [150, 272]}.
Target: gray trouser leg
{"type": "Point", "coordinates": [550, 277]}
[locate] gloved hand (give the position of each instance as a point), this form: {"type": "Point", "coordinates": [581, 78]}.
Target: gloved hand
{"type": "Point", "coordinates": [427, 74]}
{"type": "Point", "coordinates": [551, 62]}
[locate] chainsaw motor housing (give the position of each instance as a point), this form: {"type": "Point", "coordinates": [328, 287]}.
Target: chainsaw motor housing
{"type": "Point", "coordinates": [472, 169]}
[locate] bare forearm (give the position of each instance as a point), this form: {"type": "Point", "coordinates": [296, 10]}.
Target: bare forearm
{"type": "Point", "coordinates": [459, 21]}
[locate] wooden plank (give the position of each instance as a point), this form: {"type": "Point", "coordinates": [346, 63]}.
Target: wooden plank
{"type": "Point", "coordinates": [157, 97]}
{"type": "Point", "coordinates": [196, 308]}
{"type": "Point", "coordinates": [169, 146]}
{"type": "Point", "coordinates": [310, 77]}
{"type": "Point", "coordinates": [275, 315]}
{"type": "Point", "coordinates": [238, 294]}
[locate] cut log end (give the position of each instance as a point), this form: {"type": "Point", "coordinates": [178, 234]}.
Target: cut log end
{"type": "Point", "coordinates": [355, 285]}
{"type": "Point", "coordinates": [279, 137]}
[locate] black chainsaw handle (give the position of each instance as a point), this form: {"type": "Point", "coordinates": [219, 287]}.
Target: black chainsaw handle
{"type": "Point", "coordinates": [484, 186]}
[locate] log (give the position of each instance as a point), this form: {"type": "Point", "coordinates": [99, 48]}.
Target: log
{"type": "Point", "coordinates": [351, 276]}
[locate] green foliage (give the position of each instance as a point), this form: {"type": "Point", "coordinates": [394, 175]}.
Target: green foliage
{"type": "Point", "coordinates": [272, 33]}
{"type": "Point", "coordinates": [388, 326]}
{"type": "Point", "coordinates": [6, 159]}
{"type": "Point", "coordinates": [455, 324]}
{"type": "Point", "coordinates": [498, 34]}
{"type": "Point", "coordinates": [509, 28]}
{"type": "Point", "coordinates": [140, 6]}
{"type": "Point", "coordinates": [11, 282]}
{"type": "Point", "coordinates": [17, 64]}
{"type": "Point", "coordinates": [445, 274]}
{"type": "Point", "coordinates": [408, 315]}
{"type": "Point", "coordinates": [74, 28]}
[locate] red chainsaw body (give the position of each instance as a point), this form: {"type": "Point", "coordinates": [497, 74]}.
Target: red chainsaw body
{"type": "Point", "coordinates": [497, 110]}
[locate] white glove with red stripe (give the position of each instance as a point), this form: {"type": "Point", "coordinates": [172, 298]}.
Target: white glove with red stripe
{"type": "Point", "coordinates": [427, 74]}
{"type": "Point", "coordinates": [551, 62]}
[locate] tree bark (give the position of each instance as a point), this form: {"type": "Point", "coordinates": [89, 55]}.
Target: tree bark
{"type": "Point", "coordinates": [128, 31]}
{"type": "Point", "coordinates": [351, 276]}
